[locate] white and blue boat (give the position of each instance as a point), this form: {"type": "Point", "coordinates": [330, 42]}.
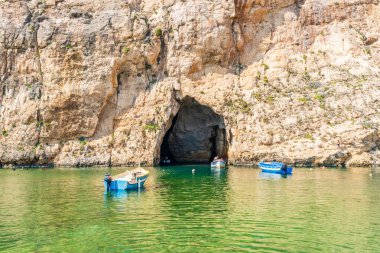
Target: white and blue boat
{"type": "Point", "coordinates": [128, 180]}
{"type": "Point", "coordinates": [218, 164]}
{"type": "Point", "coordinates": [275, 168]}
{"type": "Point", "coordinates": [165, 162]}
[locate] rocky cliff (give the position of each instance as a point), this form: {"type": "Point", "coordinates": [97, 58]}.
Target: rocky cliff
{"type": "Point", "coordinates": [121, 82]}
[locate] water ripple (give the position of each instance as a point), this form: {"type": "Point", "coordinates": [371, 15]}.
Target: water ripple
{"type": "Point", "coordinates": [67, 210]}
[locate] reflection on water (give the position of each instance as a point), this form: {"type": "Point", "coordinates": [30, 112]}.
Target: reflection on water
{"type": "Point", "coordinates": [269, 176]}
{"type": "Point", "coordinates": [122, 195]}
{"type": "Point", "coordinates": [238, 209]}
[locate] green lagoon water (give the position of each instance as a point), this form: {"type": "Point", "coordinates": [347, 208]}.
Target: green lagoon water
{"type": "Point", "coordinates": [67, 210]}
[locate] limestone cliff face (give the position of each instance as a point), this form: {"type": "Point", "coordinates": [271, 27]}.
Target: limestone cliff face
{"type": "Point", "coordinates": [88, 82]}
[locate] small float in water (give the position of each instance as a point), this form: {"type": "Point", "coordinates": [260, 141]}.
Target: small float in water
{"type": "Point", "coordinates": [218, 164]}
{"type": "Point", "coordinates": [275, 168]}
{"type": "Point", "coordinates": [128, 180]}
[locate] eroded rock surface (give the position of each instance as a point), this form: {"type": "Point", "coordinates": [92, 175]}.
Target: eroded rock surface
{"type": "Point", "coordinates": [100, 82]}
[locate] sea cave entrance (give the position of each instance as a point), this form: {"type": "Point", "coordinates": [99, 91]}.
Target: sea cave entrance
{"type": "Point", "coordinates": [197, 135]}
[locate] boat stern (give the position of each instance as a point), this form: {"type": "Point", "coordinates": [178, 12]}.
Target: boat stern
{"type": "Point", "coordinates": [218, 164]}
{"type": "Point", "coordinates": [289, 170]}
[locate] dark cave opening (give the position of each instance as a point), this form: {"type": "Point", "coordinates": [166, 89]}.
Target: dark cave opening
{"type": "Point", "coordinates": [165, 147]}
{"type": "Point", "coordinates": [197, 135]}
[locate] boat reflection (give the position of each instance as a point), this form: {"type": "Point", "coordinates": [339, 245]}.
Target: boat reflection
{"type": "Point", "coordinates": [123, 194]}
{"type": "Point", "coordinates": [271, 176]}
{"type": "Point", "coordinates": [218, 172]}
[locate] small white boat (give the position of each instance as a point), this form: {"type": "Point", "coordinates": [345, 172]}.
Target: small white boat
{"type": "Point", "coordinates": [218, 164]}
{"type": "Point", "coordinates": [165, 162]}
{"type": "Point", "coordinates": [128, 180]}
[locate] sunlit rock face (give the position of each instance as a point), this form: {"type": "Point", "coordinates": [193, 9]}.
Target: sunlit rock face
{"type": "Point", "coordinates": [198, 134]}
{"type": "Point", "coordinates": [102, 82]}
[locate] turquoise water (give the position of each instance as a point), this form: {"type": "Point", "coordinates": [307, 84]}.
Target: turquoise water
{"type": "Point", "coordinates": [67, 210]}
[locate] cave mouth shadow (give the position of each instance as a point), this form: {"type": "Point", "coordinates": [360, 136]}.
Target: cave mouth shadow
{"type": "Point", "coordinates": [196, 136]}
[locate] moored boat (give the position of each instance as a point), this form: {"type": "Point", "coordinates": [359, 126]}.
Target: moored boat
{"type": "Point", "coordinates": [165, 162]}
{"type": "Point", "coordinates": [128, 180]}
{"type": "Point", "coordinates": [218, 164]}
{"type": "Point", "coordinates": [275, 167]}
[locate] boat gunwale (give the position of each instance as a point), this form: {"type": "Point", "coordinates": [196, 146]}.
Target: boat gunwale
{"type": "Point", "coordinates": [141, 173]}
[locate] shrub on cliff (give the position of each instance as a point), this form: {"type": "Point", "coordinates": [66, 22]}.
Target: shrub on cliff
{"type": "Point", "coordinates": [125, 50]}
{"type": "Point", "coordinates": [158, 32]}
{"type": "Point", "coordinates": [151, 127]}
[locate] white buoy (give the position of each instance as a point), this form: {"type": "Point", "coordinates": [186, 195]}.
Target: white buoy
{"type": "Point", "coordinates": [193, 171]}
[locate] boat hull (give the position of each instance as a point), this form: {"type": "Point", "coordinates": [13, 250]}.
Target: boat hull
{"type": "Point", "coordinates": [218, 165]}
{"type": "Point", "coordinates": [165, 163]}
{"type": "Point", "coordinates": [122, 184]}
{"type": "Point", "coordinates": [275, 168]}
{"type": "Point", "coordinates": [288, 171]}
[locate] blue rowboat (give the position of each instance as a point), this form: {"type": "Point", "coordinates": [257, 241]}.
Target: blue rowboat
{"type": "Point", "coordinates": [218, 164]}
{"type": "Point", "coordinates": [128, 180]}
{"type": "Point", "coordinates": [275, 167]}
